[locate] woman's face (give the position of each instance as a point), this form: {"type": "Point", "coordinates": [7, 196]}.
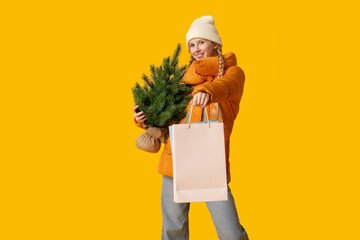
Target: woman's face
{"type": "Point", "coordinates": [202, 48]}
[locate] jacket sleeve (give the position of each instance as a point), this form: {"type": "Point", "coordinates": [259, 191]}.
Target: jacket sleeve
{"type": "Point", "coordinates": [229, 87]}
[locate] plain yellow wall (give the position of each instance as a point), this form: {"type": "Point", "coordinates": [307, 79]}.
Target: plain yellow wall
{"type": "Point", "coordinates": [69, 165]}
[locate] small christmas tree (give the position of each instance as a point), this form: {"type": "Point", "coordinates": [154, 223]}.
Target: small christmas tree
{"type": "Point", "coordinates": [163, 99]}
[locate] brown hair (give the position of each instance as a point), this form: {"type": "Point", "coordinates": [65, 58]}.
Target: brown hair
{"type": "Point", "coordinates": [221, 61]}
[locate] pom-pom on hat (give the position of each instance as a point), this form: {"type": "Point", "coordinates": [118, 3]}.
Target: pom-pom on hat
{"type": "Point", "coordinates": [203, 27]}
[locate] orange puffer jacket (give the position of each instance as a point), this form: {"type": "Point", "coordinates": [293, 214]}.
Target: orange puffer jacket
{"type": "Point", "coordinates": [227, 91]}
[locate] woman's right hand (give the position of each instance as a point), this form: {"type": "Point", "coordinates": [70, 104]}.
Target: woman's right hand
{"type": "Point", "coordinates": [140, 116]}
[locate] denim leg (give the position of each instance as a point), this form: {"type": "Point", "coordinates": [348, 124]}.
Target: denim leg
{"type": "Point", "coordinates": [226, 220]}
{"type": "Point", "coordinates": [175, 215]}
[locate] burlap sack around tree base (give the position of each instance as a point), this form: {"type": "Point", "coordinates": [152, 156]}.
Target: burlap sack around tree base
{"type": "Point", "coordinates": [151, 140]}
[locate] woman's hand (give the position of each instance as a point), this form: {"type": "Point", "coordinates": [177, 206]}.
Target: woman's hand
{"type": "Point", "coordinates": [200, 99]}
{"type": "Point", "coordinates": [139, 117]}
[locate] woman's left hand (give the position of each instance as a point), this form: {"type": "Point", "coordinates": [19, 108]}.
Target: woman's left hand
{"type": "Point", "coordinates": [200, 99]}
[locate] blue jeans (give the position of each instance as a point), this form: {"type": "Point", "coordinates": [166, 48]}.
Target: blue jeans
{"type": "Point", "coordinates": [176, 220]}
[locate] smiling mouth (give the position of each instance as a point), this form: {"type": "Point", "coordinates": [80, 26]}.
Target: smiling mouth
{"type": "Point", "coordinates": [199, 55]}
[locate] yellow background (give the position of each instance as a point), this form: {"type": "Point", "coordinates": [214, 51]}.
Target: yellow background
{"type": "Point", "coordinates": [69, 165]}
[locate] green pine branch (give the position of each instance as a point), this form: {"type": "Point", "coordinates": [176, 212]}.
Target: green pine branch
{"type": "Point", "coordinates": [163, 98]}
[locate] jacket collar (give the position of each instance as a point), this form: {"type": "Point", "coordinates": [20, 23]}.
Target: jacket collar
{"type": "Point", "coordinates": [210, 65]}
{"type": "Point", "coordinates": [207, 67]}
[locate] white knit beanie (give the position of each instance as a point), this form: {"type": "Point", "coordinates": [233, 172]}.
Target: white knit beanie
{"type": "Point", "coordinates": [203, 28]}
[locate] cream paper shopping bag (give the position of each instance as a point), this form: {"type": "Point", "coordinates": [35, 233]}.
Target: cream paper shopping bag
{"type": "Point", "coordinates": [199, 165]}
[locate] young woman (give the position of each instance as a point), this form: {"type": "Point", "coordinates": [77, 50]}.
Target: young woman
{"type": "Point", "coordinates": [218, 86]}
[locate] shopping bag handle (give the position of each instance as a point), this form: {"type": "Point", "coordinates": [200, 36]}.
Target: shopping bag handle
{"type": "Point", "coordinates": [189, 115]}
{"type": "Point", "coordinates": [187, 120]}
